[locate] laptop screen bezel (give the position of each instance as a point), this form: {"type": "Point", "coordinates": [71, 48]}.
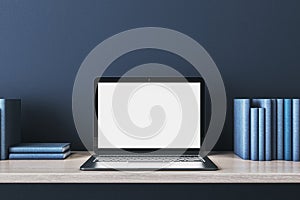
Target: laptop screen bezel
{"type": "Point", "coordinates": [117, 151]}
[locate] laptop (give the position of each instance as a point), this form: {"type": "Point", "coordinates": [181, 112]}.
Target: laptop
{"type": "Point", "coordinates": [148, 123]}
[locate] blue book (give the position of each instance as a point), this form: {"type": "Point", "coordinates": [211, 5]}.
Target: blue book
{"type": "Point", "coordinates": [261, 133]}
{"type": "Point", "coordinates": [274, 129]}
{"type": "Point", "coordinates": [10, 127]}
{"type": "Point", "coordinates": [241, 128]}
{"type": "Point", "coordinates": [280, 155]}
{"type": "Point", "coordinates": [267, 105]}
{"type": "Point", "coordinates": [40, 148]}
{"type": "Point", "coordinates": [287, 129]}
{"type": "Point", "coordinates": [29, 156]}
{"type": "Point", "coordinates": [254, 133]}
{"type": "Point", "coordinates": [296, 129]}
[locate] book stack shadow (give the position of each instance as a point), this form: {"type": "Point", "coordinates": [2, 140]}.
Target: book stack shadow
{"type": "Point", "coordinates": [39, 151]}
{"type": "Point", "coordinates": [267, 129]}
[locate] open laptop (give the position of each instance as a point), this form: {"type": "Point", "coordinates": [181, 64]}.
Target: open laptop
{"type": "Point", "coordinates": [148, 123]}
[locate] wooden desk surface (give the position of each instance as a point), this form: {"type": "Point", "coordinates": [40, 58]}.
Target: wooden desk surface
{"type": "Point", "coordinates": [232, 170]}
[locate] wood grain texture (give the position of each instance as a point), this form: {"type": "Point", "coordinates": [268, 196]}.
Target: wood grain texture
{"type": "Point", "coordinates": [232, 170]}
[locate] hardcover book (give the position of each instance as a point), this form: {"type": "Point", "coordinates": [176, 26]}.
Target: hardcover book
{"type": "Point", "coordinates": [295, 129]}
{"type": "Point", "coordinates": [267, 104]}
{"type": "Point", "coordinates": [287, 129]}
{"type": "Point", "coordinates": [10, 134]}
{"type": "Point", "coordinates": [254, 133]}
{"type": "Point", "coordinates": [280, 155]}
{"type": "Point", "coordinates": [274, 129]}
{"type": "Point", "coordinates": [261, 133]}
{"type": "Point", "coordinates": [40, 148]}
{"type": "Point", "coordinates": [29, 156]}
{"type": "Point", "coordinates": [241, 127]}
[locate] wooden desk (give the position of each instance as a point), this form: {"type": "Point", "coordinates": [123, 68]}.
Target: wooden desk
{"type": "Point", "coordinates": [232, 170]}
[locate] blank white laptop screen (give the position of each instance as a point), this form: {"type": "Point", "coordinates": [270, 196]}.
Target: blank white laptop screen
{"type": "Point", "coordinates": [139, 105]}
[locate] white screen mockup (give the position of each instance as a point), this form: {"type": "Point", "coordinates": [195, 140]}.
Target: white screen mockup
{"type": "Point", "coordinates": [139, 104]}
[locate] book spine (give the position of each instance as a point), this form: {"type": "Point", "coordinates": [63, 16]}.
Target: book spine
{"type": "Point", "coordinates": [274, 129]}
{"type": "Point", "coordinates": [38, 156]}
{"type": "Point", "coordinates": [267, 104]}
{"type": "Point", "coordinates": [280, 130]}
{"type": "Point", "coordinates": [37, 149]}
{"type": "Point", "coordinates": [295, 130]}
{"type": "Point", "coordinates": [261, 134]}
{"type": "Point", "coordinates": [287, 129]}
{"type": "Point", "coordinates": [2, 131]}
{"type": "Point", "coordinates": [241, 127]}
{"type": "Point", "coordinates": [0, 127]}
{"type": "Point", "coordinates": [254, 133]}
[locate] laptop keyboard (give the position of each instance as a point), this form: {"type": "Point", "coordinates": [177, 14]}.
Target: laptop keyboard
{"type": "Point", "coordinates": [148, 159]}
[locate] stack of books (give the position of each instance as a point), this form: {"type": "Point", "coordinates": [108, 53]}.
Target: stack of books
{"type": "Point", "coordinates": [267, 129]}
{"type": "Point", "coordinates": [40, 151]}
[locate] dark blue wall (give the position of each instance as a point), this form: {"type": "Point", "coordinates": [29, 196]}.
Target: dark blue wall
{"type": "Point", "coordinates": [256, 45]}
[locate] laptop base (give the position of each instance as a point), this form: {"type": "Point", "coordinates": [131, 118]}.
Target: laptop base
{"type": "Point", "coordinates": [91, 165]}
